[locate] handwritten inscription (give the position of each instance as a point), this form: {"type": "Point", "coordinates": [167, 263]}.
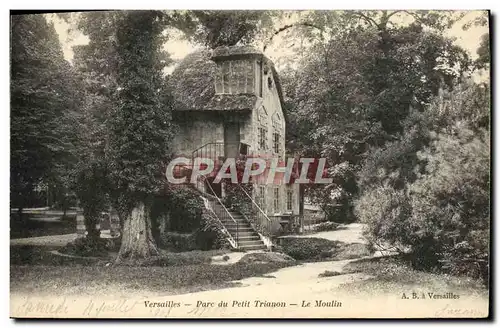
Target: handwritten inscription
{"type": "Point", "coordinates": [109, 308]}
{"type": "Point", "coordinates": [450, 311]}
{"type": "Point", "coordinates": [39, 307]}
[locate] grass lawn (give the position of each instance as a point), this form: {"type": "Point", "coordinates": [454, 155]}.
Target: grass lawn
{"type": "Point", "coordinates": [393, 275]}
{"type": "Point", "coordinates": [319, 249]}
{"type": "Point", "coordinates": [122, 281]}
{"type": "Point", "coordinates": [34, 270]}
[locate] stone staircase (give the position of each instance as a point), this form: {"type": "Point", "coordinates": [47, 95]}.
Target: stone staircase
{"type": "Point", "coordinates": [246, 237]}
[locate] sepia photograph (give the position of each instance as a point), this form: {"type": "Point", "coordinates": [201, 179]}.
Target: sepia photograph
{"type": "Point", "coordinates": [236, 164]}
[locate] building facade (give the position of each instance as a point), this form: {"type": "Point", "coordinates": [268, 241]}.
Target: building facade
{"type": "Point", "coordinates": [228, 104]}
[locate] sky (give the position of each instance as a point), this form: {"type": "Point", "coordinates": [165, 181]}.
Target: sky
{"type": "Point", "coordinates": [178, 48]}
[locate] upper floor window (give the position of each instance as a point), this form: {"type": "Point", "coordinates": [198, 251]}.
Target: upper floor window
{"type": "Point", "coordinates": [262, 137]}
{"type": "Point", "coordinates": [276, 142]}
{"type": "Point", "coordinates": [236, 76]}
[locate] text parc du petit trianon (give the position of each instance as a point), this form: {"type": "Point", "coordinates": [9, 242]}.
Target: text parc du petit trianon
{"type": "Point", "coordinates": [246, 304]}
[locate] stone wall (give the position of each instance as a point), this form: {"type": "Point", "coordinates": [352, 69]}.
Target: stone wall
{"type": "Point", "coordinates": [196, 130]}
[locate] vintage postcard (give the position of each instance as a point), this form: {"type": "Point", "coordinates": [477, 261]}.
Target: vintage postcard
{"type": "Point", "coordinates": [250, 164]}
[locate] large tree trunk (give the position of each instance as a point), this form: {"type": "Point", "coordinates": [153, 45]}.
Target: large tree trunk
{"type": "Point", "coordinates": [137, 239]}
{"type": "Point", "coordinates": [91, 226]}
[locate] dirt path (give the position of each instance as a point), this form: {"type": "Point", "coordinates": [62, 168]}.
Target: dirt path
{"type": "Point", "coordinates": [346, 233]}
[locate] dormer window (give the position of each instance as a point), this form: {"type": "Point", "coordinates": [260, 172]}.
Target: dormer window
{"type": "Point", "coordinates": [235, 76]}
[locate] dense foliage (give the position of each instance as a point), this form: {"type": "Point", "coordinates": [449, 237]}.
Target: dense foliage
{"type": "Point", "coordinates": [44, 98]}
{"type": "Point", "coordinates": [181, 223]}
{"type": "Point", "coordinates": [214, 28]}
{"type": "Point", "coordinates": [355, 90]}
{"type": "Point", "coordinates": [405, 132]}
{"type": "Point", "coordinates": [431, 198]}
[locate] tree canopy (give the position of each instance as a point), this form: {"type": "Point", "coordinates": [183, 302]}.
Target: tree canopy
{"type": "Point", "coordinates": [44, 98]}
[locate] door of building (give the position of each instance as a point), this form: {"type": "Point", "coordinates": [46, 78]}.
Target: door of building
{"type": "Point", "coordinates": [231, 139]}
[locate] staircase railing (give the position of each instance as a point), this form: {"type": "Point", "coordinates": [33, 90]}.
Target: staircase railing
{"type": "Point", "coordinates": [212, 150]}
{"type": "Point", "coordinates": [222, 214]}
{"type": "Point", "coordinates": [209, 206]}
{"type": "Point", "coordinates": [259, 220]}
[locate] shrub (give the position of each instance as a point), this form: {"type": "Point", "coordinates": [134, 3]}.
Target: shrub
{"type": "Point", "coordinates": [182, 224]}
{"type": "Point", "coordinates": [179, 241]}
{"type": "Point", "coordinates": [211, 235]}
{"type": "Point", "coordinates": [90, 247]}
{"type": "Point", "coordinates": [451, 202]}
{"type": "Point", "coordinates": [268, 257]}
{"type": "Point", "coordinates": [442, 218]}
{"type": "Point", "coordinates": [308, 249]}
{"type": "Point", "coordinates": [353, 251]}
{"type": "Point", "coordinates": [182, 206]}
{"type": "Point", "coordinates": [387, 215]}
{"type": "Point", "coordinates": [329, 274]}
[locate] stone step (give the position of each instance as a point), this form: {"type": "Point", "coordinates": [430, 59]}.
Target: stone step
{"type": "Point", "coordinates": [243, 233]}
{"type": "Point", "coordinates": [238, 227]}
{"type": "Point", "coordinates": [249, 238]}
{"type": "Point", "coordinates": [233, 225]}
{"type": "Point", "coordinates": [242, 230]}
{"type": "Point", "coordinates": [251, 242]}
{"type": "Point", "coordinates": [252, 248]}
{"type": "Point", "coordinates": [242, 221]}
{"type": "Point", "coordinates": [245, 237]}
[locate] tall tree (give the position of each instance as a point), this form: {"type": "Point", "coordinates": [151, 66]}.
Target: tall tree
{"type": "Point", "coordinates": [214, 28]}
{"type": "Point", "coordinates": [359, 83]}
{"type": "Point", "coordinates": [140, 128]}
{"type": "Point", "coordinates": [43, 100]}
{"type": "Point", "coordinates": [97, 64]}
